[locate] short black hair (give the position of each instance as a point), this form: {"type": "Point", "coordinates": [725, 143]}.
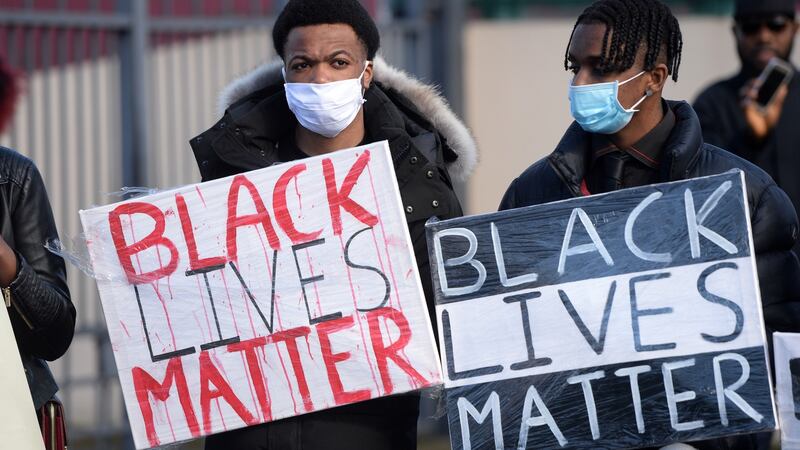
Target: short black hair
{"type": "Point", "coordinates": [763, 8]}
{"type": "Point", "coordinates": [300, 13]}
{"type": "Point", "coordinates": [634, 22]}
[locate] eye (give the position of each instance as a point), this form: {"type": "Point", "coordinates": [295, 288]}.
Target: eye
{"type": "Point", "coordinates": [574, 68]}
{"type": "Point", "coordinates": [340, 63]}
{"type": "Point", "coordinates": [300, 66]}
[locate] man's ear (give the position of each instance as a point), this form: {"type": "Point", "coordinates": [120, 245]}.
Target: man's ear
{"type": "Point", "coordinates": [366, 81]}
{"type": "Point", "coordinates": [658, 78]}
{"type": "Point", "coordinates": [284, 70]}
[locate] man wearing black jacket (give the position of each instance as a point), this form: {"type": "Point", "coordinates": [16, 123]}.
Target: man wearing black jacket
{"type": "Point", "coordinates": [729, 116]}
{"type": "Point", "coordinates": [330, 92]}
{"type": "Point", "coordinates": [624, 135]}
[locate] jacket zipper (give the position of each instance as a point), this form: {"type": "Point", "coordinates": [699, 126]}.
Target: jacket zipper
{"type": "Point", "coordinates": [9, 303]}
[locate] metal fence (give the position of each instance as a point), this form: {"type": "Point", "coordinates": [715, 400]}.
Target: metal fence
{"type": "Point", "coordinates": [114, 90]}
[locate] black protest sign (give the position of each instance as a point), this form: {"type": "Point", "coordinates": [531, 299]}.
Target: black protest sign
{"type": "Point", "coordinates": [622, 320]}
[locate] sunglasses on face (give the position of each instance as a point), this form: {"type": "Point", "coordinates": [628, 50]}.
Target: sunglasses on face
{"type": "Point", "coordinates": [775, 24]}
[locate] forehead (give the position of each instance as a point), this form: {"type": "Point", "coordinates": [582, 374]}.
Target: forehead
{"type": "Point", "coordinates": [587, 41]}
{"type": "Point", "coordinates": [322, 40]}
{"type": "Point", "coordinates": [761, 19]}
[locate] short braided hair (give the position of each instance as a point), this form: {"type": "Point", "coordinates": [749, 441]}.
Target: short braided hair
{"type": "Point", "coordinates": [634, 22]}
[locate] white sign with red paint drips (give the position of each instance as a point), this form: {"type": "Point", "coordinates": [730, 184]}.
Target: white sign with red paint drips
{"type": "Point", "coordinates": [262, 296]}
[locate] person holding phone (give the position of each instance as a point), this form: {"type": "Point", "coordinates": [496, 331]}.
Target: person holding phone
{"type": "Point", "coordinates": [754, 114]}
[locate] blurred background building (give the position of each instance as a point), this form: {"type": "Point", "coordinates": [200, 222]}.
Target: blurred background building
{"type": "Point", "coordinates": [515, 85]}
{"type": "Point", "coordinates": [116, 88]}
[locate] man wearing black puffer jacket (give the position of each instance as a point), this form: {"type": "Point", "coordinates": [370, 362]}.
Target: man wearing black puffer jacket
{"type": "Point", "coordinates": [622, 52]}
{"type": "Point", "coordinates": [33, 280]}
{"type": "Point", "coordinates": [330, 92]}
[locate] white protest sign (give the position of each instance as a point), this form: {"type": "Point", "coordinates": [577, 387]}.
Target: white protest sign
{"type": "Point", "coordinates": [623, 320]}
{"type": "Point", "coordinates": [18, 426]}
{"type": "Point", "coordinates": [262, 296]}
{"type": "Point", "coordinates": [786, 347]}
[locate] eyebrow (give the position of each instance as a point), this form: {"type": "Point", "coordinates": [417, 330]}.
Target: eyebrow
{"type": "Point", "coordinates": [340, 52]}
{"type": "Point", "coordinates": [589, 59]}
{"type": "Point", "coordinates": [304, 57]}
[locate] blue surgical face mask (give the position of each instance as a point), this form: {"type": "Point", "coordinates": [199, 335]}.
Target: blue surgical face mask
{"type": "Point", "coordinates": [596, 107]}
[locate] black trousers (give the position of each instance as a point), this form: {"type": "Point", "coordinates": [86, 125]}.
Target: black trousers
{"type": "Point", "coordinates": [383, 424]}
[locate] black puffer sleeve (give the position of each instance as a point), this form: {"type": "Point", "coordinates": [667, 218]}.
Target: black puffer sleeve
{"type": "Point", "coordinates": [775, 228]}
{"type": "Point", "coordinates": [509, 200]}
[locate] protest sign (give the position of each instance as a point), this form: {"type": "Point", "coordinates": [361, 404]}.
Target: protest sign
{"type": "Point", "coordinates": [261, 296]}
{"type": "Point", "coordinates": [787, 386]}
{"type": "Point", "coordinates": [18, 425]}
{"type": "Point", "coordinates": [621, 320]}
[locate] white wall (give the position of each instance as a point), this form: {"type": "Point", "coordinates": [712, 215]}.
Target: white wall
{"type": "Point", "coordinates": [516, 90]}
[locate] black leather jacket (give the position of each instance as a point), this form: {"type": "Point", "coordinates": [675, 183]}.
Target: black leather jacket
{"type": "Point", "coordinates": [42, 315]}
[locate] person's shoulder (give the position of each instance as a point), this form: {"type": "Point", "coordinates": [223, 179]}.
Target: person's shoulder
{"type": "Point", "coordinates": [14, 166]}
{"type": "Point", "coordinates": [537, 173]}
{"type": "Point", "coordinates": [715, 160]}
{"type": "Point", "coordinates": [762, 191]}
{"type": "Point", "coordinates": [772, 213]}
{"type": "Point", "coordinates": [719, 160]}
{"type": "Point", "coordinates": [532, 186]}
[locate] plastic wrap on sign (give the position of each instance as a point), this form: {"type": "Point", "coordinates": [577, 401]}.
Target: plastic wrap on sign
{"type": "Point", "coordinates": [261, 296]}
{"type": "Point", "coordinates": [624, 320]}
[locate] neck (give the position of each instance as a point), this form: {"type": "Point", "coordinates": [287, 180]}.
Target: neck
{"type": "Point", "coordinates": [749, 71]}
{"type": "Point", "coordinates": [649, 116]}
{"type": "Point", "coordinates": [313, 144]}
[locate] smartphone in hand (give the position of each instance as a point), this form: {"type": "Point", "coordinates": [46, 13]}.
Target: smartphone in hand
{"type": "Point", "coordinates": [776, 74]}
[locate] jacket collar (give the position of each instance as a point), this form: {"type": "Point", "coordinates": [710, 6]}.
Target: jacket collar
{"type": "Point", "coordinates": [572, 156]}
{"type": "Point", "coordinates": [432, 107]}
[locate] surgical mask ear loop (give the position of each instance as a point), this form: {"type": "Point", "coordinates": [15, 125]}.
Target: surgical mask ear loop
{"type": "Point", "coordinates": [360, 80]}
{"type": "Point", "coordinates": [632, 78]}
{"type": "Point", "coordinates": [648, 93]}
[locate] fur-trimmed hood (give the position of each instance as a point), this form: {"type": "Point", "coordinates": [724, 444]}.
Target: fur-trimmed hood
{"type": "Point", "coordinates": [426, 98]}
